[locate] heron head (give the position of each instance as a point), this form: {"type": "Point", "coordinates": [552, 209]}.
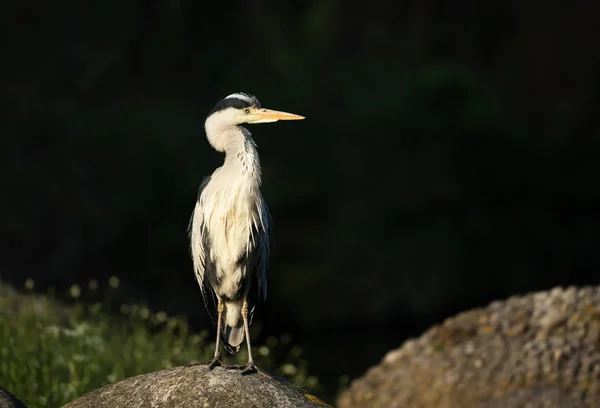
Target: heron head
{"type": "Point", "coordinates": [236, 109]}
{"type": "Point", "coordinates": [239, 108]}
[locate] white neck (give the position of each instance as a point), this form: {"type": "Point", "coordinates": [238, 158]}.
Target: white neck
{"type": "Point", "coordinates": [241, 155]}
{"type": "Point", "coordinates": [222, 133]}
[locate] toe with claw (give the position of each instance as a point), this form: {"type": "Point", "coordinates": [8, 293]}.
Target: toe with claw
{"type": "Point", "coordinates": [249, 368]}
{"type": "Point", "coordinates": [215, 362]}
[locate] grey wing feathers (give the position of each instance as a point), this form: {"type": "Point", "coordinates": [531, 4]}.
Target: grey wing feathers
{"type": "Point", "coordinates": [263, 252]}
{"type": "Point", "coordinates": [259, 260]}
{"type": "Point", "coordinates": [200, 249]}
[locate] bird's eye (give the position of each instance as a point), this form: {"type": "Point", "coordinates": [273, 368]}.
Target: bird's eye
{"type": "Point", "coordinates": [246, 110]}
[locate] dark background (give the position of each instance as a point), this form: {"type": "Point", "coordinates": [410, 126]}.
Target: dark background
{"type": "Point", "coordinates": [449, 154]}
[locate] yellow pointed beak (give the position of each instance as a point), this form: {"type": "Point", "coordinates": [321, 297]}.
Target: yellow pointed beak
{"type": "Point", "coordinates": [268, 115]}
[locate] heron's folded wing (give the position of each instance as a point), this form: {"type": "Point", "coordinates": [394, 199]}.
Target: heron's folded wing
{"type": "Point", "coordinates": [204, 267]}
{"type": "Point", "coordinates": [258, 259]}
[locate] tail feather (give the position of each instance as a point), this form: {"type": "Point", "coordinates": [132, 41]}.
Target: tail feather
{"type": "Point", "coordinates": [232, 333]}
{"type": "Point", "coordinates": [232, 338]}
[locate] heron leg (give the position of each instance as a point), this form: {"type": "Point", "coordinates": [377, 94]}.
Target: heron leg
{"type": "Point", "coordinates": [216, 361]}
{"type": "Point", "coordinates": [250, 367]}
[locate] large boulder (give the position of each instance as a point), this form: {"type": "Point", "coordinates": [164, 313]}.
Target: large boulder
{"type": "Point", "coordinates": [538, 350]}
{"type": "Point", "coordinates": [196, 386]}
{"type": "Point", "coordinates": [7, 400]}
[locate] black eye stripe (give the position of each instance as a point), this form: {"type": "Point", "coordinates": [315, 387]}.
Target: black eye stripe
{"type": "Point", "coordinates": [235, 103]}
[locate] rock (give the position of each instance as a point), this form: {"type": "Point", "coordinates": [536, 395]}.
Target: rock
{"type": "Point", "coordinates": [7, 400]}
{"type": "Point", "coordinates": [196, 386]}
{"type": "Point", "coordinates": [538, 350]}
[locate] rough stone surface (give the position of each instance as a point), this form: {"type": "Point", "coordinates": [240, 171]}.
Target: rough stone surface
{"type": "Point", "coordinates": [196, 386]}
{"type": "Point", "coordinates": [538, 350]}
{"type": "Point", "coordinates": [7, 400]}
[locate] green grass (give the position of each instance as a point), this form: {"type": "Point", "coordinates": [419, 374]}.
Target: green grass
{"type": "Point", "coordinates": [51, 354]}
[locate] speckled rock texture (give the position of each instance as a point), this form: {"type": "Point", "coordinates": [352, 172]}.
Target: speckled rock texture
{"type": "Point", "coordinates": [7, 400]}
{"type": "Point", "coordinates": [538, 350]}
{"type": "Point", "coordinates": [196, 386]}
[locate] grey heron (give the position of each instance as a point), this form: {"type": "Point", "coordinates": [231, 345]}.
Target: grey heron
{"type": "Point", "coordinates": [230, 226]}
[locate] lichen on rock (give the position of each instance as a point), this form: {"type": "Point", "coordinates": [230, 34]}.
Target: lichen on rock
{"type": "Point", "coordinates": [197, 386]}
{"type": "Point", "coordinates": [8, 400]}
{"type": "Point", "coordinates": [538, 350]}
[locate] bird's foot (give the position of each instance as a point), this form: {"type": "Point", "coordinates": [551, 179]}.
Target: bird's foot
{"type": "Point", "coordinates": [249, 368]}
{"type": "Point", "coordinates": [234, 366]}
{"type": "Point", "coordinates": [214, 363]}
{"type": "Point", "coordinates": [264, 374]}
